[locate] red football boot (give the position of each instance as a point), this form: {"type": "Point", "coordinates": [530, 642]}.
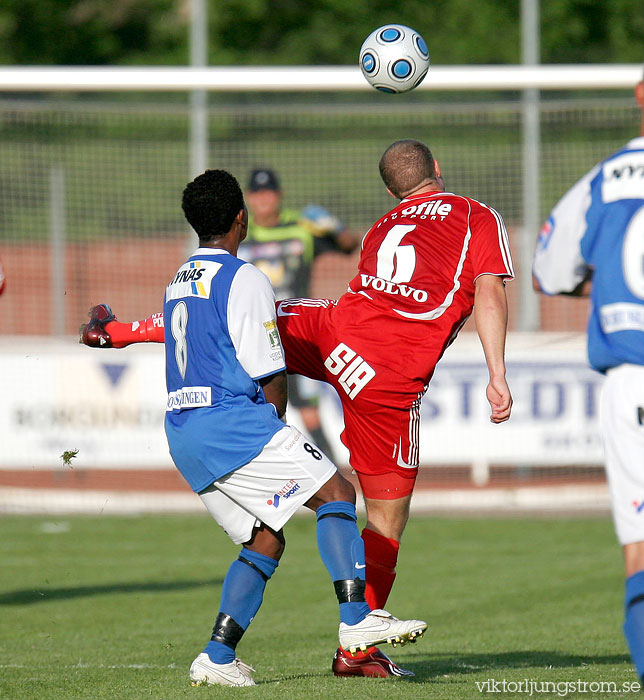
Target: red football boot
{"type": "Point", "coordinates": [371, 664]}
{"type": "Point", "coordinates": [94, 333]}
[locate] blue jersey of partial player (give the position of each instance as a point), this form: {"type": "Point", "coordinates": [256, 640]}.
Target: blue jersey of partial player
{"type": "Point", "coordinates": [221, 338]}
{"type": "Point", "coordinates": [598, 226]}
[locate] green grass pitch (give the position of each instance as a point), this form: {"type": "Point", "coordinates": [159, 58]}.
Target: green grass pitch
{"type": "Point", "coordinates": [111, 607]}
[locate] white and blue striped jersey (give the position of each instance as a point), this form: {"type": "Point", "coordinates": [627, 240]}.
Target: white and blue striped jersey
{"type": "Point", "coordinates": [598, 226]}
{"type": "Point", "coordinates": [220, 338]}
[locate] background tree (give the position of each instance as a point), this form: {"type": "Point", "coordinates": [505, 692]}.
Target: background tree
{"type": "Point", "coordinates": [279, 32]}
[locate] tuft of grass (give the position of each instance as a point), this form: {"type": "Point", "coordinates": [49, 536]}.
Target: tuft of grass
{"type": "Point", "coordinates": [67, 457]}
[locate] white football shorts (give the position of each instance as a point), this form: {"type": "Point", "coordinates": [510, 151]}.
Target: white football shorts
{"type": "Point", "coordinates": [621, 414]}
{"type": "Point", "coordinates": [286, 474]}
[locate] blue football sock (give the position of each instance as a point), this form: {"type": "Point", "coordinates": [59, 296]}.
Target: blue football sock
{"type": "Point", "coordinates": [342, 551]}
{"type": "Point", "coordinates": [634, 620]}
{"type": "Point", "coordinates": [241, 596]}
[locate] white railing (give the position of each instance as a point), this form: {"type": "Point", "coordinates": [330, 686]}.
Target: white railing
{"type": "Point", "coordinates": [323, 78]}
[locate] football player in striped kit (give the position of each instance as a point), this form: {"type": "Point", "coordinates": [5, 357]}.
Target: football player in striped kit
{"type": "Point", "coordinates": [425, 266]}
{"type": "Point", "coordinates": [592, 244]}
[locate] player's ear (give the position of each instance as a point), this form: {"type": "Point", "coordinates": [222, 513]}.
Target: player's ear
{"type": "Point", "coordinates": [639, 94]}
{"type": "Point", "coordinates": [241, 220]}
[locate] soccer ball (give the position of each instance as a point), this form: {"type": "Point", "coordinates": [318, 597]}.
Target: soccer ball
{"type": "Point", "coordinates": [394, 58]}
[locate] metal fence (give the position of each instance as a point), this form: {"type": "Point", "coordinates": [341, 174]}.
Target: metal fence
{"type": "Point", "coordinates": [90, 188]}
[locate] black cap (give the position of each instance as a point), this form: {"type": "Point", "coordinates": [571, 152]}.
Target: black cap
{"type": "Point", "coordinates": [263, 179]}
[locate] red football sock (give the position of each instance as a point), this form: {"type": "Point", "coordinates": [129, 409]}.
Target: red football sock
{"type": "Point", "coordinates": [150, 330]}
{"type": "Point", "coordinates": [381, 556]}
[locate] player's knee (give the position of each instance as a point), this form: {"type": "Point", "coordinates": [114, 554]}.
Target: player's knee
{"type": "Point", "coordinates": [267, 542]}
{"type": "Point", "coordinates": [278, 549]}
{"type": "Point", "coordinates": [388, 517]}
{"type": "Point", "coordinates": [634, 558]}
{"type": "Point", "coordinates": [338, 489]}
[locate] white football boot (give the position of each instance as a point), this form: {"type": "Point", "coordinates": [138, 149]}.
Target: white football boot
{"type": "Point", "coordinates": [204, 672]}
{"type": "Point", "coordinates": [379, 627]}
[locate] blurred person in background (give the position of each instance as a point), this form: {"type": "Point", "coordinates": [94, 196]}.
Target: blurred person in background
{"type": "Point", "coordinates": [592, 244]}
{"type": "Point", "coordinates": [284, 243]}
{"type": "Point", "coordinates": [3, 279]}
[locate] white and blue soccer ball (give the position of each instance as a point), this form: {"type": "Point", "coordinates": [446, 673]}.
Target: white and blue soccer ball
{"type": "Point", "coordinates": [394, 58]}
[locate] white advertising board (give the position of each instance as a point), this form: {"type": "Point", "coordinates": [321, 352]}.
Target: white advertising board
{"type": "Point", "coordinates": [109, 405]}
{"type": "Point", "coordinates": [60, 396]}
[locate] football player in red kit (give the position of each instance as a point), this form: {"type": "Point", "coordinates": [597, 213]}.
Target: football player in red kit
{"type": "Point", "coordinates": [424, 268]}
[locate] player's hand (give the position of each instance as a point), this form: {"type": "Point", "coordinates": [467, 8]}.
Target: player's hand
{"type": "Point", "coordinates": [498, 394]}
{"type": "Point", "coordinates": [94, 333]}
{"type": "Point", "coordinates": [320, 221]}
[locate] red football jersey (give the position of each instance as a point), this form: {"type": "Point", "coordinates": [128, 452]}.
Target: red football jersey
{"type": "Point", "coordinates": [415, 284]}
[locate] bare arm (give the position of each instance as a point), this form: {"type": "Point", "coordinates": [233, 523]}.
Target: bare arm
{"type": "Point", "coordinates": [491, 316]}
{"type": "Point", "coordinates": [275, 389]}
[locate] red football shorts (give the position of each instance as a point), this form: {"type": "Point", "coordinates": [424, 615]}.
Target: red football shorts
{"type": "Point", "coordinates": [381, 407]}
